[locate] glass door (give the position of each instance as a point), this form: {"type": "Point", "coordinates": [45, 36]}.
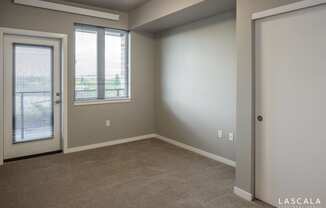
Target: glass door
{"type": "Point", "coordinates": [33, 104]}
{"type": "Point", "coordinates": [32, 95]}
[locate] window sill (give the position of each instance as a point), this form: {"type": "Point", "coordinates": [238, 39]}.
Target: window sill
{"type": "Point", "coordinates": [101, 102]}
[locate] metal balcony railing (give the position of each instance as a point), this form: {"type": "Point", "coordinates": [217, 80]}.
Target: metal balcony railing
{"type": "Point", "coordinates": [39, 122]}
{"type": "Point", "coordinates": [81, 94]}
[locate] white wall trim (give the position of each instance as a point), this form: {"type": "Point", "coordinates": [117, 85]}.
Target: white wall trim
{"type": "Point", "coordinates": [14, 31]}
{"type": "Point", "coordinates": [64, 71]}
{"type": "Point", "coordinates": [109, 143]}
{"type": "Point", "coordinates": [1, 99]}
{"type": "Point", "coordinates": [198, 151]}
{"type": "Point", "coordinates": [65, 90]}
{"type": "Point", "coordinates": [287, 8]}
{"type": "Point", "coordinates": [68, 9]}
{"type": "Point", "coordinates": [243, 194]}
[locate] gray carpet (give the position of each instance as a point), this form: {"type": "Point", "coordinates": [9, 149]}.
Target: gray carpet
{"type": "Point", "coordinates": [144, 174]}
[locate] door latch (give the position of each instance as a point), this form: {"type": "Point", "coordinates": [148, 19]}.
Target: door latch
{"type": "Point", "coordinates": [260, 118]}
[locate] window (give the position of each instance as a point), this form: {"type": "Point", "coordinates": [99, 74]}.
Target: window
{"type": "Point", "coordinates": [32, 103]}
{"type": "Point", "coordinates": [101, 64]}
{"type": "Point", "coordinates": [86, 64]}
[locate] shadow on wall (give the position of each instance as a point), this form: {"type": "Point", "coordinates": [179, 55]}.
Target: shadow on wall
{"type": "Point", "coordinates": [197, 84]}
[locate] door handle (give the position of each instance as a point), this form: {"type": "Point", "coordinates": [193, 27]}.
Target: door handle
{"type": "Point", "coordinates": [57, 102]}
{"type": "Point", "coordinates": [260, 118]}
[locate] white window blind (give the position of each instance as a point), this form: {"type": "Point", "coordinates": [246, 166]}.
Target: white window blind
{"type": "Point", "coordinates": [101, 64]}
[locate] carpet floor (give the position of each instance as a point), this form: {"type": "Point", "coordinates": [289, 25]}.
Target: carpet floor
{"type": "Point", "coordinates": [143, 174]}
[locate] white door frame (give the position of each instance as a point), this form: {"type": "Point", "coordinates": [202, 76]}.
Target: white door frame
{"type": "Point", "coordinates": [64, 80]}
{"type": "Point", "coordinates": [256, 16]}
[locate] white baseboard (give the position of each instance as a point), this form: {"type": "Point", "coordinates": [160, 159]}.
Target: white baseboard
{"type": "Point", "coordinates": [109, 143]}
{"type": "Point", "coordinates": [243, 194]}
{"type": "Point", "coordinates": [198, 151]}
{"type": "Point", "coordinates": [149, 136]}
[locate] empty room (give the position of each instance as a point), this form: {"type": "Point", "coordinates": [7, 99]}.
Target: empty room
{"type": "Point", "coordinates": [162, 103]}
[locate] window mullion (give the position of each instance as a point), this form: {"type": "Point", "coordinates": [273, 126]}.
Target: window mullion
{"type": "Point", "coordinates": [126, 62]}
{"type": "Point", "coordinates": [101, 63]}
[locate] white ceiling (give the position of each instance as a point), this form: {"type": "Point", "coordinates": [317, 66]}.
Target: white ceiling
{"type": "Point", "coordinates": [120, 5]}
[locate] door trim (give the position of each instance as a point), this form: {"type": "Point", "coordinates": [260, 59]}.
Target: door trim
{"type": "Point", "coordinates": [287, 8]}
{"type": "Point", "coordinates": [64, 80]}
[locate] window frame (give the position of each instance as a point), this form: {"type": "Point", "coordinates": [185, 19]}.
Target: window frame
{"type": "Point", "coordinates": [100, 98]}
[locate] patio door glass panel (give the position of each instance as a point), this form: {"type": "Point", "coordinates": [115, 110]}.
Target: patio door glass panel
{"type": "Point", "coordinates": [33, 93]}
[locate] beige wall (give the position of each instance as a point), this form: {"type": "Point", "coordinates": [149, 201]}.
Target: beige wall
{"type": "Point", "coordinates": [87, 123]}
{"type": "Point", "coordinates": [197, 84]}
{"type": "Point", "coordinates": [156, 9]}
{"type": "Point", "coordinates": [245, 102]}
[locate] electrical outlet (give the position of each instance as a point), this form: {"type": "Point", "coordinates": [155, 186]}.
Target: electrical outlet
{"type": "Point", "coordinates": [231, 136]}
{"type": "Point", "coordinates": [107, 123]}
{"type": "Point", "coordinates": [220, 133]}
